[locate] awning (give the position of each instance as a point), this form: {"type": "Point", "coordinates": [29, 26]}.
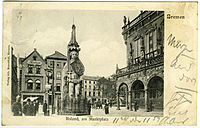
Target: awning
{"type": "Point", "coordinates": [31, 98]}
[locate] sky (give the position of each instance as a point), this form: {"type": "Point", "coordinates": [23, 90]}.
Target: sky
{"type": "Point", "coordinates": [98, 33]}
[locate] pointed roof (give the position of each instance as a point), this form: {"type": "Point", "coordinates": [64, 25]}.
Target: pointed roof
{"type": "Point", "coordinates": [34, 51]}
{"type": "Point", "coordinates": [73, 37]}
{"type": "Point", "coordinates": [57, 55]}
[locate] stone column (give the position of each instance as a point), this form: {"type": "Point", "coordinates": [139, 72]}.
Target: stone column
{"type": "Point", "coordinates": [118, 103]}
{"type": "Point", "coordinates": [127, 107]}
{"type": "Point", "coordinates": [130, 101]}
{"type": "Point", "coordinates": [146, 95]}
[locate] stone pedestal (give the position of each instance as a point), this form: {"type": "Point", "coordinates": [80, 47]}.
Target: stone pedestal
{"type": "Point", "coordinates": [75, 106]}
{"type": "Point", "coordinates": [74, 103]}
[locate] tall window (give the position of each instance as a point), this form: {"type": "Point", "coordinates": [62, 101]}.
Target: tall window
{"type": "Point", "coordinates": [30, 68]}
{"type": "Point", "coordinates": [58, 87]}
{"type": "Point", "coordinates": [93, 93]}
{"type": "Point", "coordinates": [98, 93]}
{"type": "Point", "coordinates": [37, 84]}
{"type": "Point", "coordinates": [89, 82]}
{"type": "Point", "coordinates": [37, 69]}
{"type": "Point", "coordinates": [85, 86]}
{"type": "Point", "coordinates": [131, 53]}
{"type": "Point", "coordinates": [150, 41]}
{"type": "Point", "coordinates": [29, 84]}
{"type": "Point", "coordinates": [89, 86]}
{"type": "Point", "coordinates": [93, 87]}
{"type": "Point", "coordinates": [94, 82]}
{"type": "Point", "coordinates": [85, 93]}
{"type": "Point", "coordinates": [85, 81]}
{"type": "Point", "coordinates": [89, 93]}
{"type": "Point", "coordinates": [58, 75]}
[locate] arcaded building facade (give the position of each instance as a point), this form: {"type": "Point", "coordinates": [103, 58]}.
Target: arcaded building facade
{"type": "Point", "coordinates": [142, 81]}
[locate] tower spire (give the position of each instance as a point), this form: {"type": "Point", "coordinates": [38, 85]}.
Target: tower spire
{"type": "Point", "coordinates": [73, 36]}
{"type": "Point", "coordinates": [73, 45]}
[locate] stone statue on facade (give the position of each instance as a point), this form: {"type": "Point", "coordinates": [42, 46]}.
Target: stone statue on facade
{"type": "Point", "coordinates": [125, 20]}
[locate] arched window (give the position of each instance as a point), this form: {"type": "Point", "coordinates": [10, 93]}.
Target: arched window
{"type": "Point", "coordinates": [37, 84]}
{"type": "Point", "coordinates": [30, 84]}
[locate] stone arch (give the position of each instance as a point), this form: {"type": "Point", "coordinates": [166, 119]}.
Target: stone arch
{"type": "Point", "coordinates": [155, 89]}
{"type": "Point", "coordinates": [138, 93]}
{"type": "Point", "coordinates": [154, 75]}
{"type": "Point", "coordinates": [122, 84]}
{"type": "Point", "coordinates": [122, 95]}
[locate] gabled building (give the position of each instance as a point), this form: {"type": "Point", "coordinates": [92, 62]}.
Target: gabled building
{"type": "Point", "coordinates": [56, 62]}
{"type": "Point", "coordinates": [33, 78]}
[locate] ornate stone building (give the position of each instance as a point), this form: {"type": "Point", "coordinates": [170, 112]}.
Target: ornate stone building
{"type": "Point", "coordinates": [142, 80]}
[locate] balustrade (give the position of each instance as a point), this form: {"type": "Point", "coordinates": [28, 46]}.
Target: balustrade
{"type": "Point", "coordinates": [150, 59]}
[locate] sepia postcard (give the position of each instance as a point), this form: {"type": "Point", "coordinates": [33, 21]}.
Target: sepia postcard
{"type": "Point", "coordinates": [99, 64]}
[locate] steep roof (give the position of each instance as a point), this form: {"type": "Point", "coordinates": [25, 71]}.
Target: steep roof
{"type": "Point", "coordinates": [34, 51]}
{"type": "Point", "coordinates": [73, 41]}
{"type": "Point", "coordinates": [57, 55]}
{"type": "Point", "coordinates": [91, 77]}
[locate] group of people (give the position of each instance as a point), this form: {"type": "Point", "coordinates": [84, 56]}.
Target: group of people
{"type": "Point", "coordinates": [99, 105]}
{"type": "Point", "coordinates": [30, 108]}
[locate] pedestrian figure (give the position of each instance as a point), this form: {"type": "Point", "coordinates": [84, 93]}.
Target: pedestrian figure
{"type": "Point", "coordinates": [136, 106]}
{"type": "Point", "coordinates": [33, 108]}
{"type": "Point", "coordinates": [45, 108]}
{"type": "Point", "coordinates": [100, 106]}
{"type": "Point", "coordinates": [106, 107]}
{"type": "Point", "coordinates": [151, 106]}
{"type": "Point", "coordinates": [89, 107]}
{"type": "Point", "coordinates": [17, 107]}
{"type": "Point", "coordinates": [40, 110]}
{"type": "Point", "coordinates": [58, 107]}
{"type": "Point", "coordinates": [27, 108]}
{"type": "Point", "coordinates": [111, 104]}
{"type": "Point", "coordinates": [37, 106]}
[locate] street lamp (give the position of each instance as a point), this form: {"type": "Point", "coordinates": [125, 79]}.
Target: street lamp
{"type": "Point", "coordinates": [50, 74]}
